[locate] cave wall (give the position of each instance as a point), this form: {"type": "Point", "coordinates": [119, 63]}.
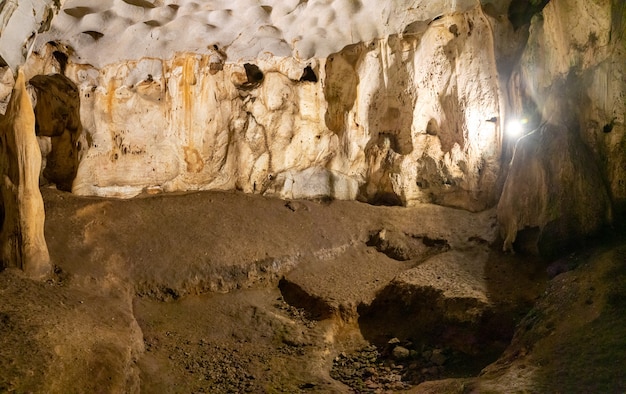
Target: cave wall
{"type": "Point", "coordinates": [413, 117]}
{"type": "Point", "coordinates": [571, 80]}
{"type": "Point", "coordinates": [57, 124]}
{"type": "Point", "coordinates": [416, 116]}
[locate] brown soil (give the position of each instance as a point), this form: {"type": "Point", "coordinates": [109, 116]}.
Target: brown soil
{"type": "Point", "coordinates": [223, 292]}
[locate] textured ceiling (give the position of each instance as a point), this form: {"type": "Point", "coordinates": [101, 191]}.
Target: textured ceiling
{"type": "Point", "coordinates": [106, 31]}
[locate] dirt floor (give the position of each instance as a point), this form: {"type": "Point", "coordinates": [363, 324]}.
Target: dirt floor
{"type": "Point", "coordinates": [223, 292]}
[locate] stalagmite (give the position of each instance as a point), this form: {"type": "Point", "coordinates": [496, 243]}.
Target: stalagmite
{"type": "Point", "coordinates": [22, 239]}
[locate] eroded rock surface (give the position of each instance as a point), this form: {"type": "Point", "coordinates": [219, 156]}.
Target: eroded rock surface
{"type": "Point", "coordinates": [22, 240]}
{"type": "Point", "coordinates": [112, 31]}
{"type": "Point", "coordinates": [412, 117]}
{"type": "Point", "coordinates": [554, 192]}
{"type": "Point", "coordinates": [20, 21]}
{"type": "Point", "coordinates": [57, 115]}
{"type": "Point", "coordinates": [323, 101]}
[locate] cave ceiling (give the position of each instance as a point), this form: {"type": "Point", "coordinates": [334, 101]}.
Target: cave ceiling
{"type": "Point", "coordinates": [100, 32]}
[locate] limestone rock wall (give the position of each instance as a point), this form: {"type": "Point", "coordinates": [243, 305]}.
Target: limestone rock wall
{"type": "Point", "coordinates": [554, 194]}
{"type": "Point", "coordinates": [570, 80]}
{"type": "Point", "coordinates": [108, 31]}
{"type": "Point", "coordinates": [413, 117]}
{"type": "Point", "coordinates": [20, 22]}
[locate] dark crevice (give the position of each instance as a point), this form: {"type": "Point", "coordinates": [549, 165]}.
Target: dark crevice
{"type": "Point", "coordinates": [522, 11]}
{"type": "Point", "coordinates": [385, 198]}
{"type": "Point", "coordinates": [308, 75]}
{"type": "Point", "coordinates": [403, 247]}
{"type": "Point", "coordinates": [57, 115]}
{"type": "Point", "coordinates": [253, 73]}
{"type": "Point", "coordinates": [62, 58]}
{"type": "Point", "coordinates": [96, 35]}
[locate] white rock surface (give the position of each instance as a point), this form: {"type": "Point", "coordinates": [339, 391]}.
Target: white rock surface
{"type": "Point", "coordinates": [403, 119]}
{"type": "Point", "coordinates": [406, 105]}
{"type": "Point", "coordinates": [20, 21]}
{"type": "Point", "coordinates": [109, 31]}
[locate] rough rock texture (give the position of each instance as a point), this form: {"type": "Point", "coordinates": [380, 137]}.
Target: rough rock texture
{"type": "Point", "coordinates": [408, 118]}
{"type": "Point", "coordinates": [110, 31]}
{"type": "Point", "coordinates": [22, 239]}
{"type": "Point", "coordinates": [570, 341]}
{"type": "Point", "coordinates": [70, 339]}
{"type": "Point", "coordinates": [554, 192]}
{"type": "Point", "coordinates": [567, 179]}
{"type": "Point", "coordinates": [57, 116]}
{"type": "Point", "coordinates": [20, 21]}
{"type": "Point", "coordinates": [449, 301]}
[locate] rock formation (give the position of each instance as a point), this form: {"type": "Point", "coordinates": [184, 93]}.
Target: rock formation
{"type": "Point", "coordinates": [562, 176]}
{"type": "Point", "coordinates": [57, 115]}
{"type": "Point", "coordinates": [20, 22]}
{"type": "Point", "coordinates": [22, 238]}
{"type": "Point", "coordinates": [554, 192]}
{"type": "Point", "coordinates": [413, 117]}
{"type": "Point", "coordinates": [389, 103]}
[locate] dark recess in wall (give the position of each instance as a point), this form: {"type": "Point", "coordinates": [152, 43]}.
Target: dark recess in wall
{"type": "Point", "coordinates": [57, 115]}
{"type": "Point", "coordinates": [308, 75]}
{"type": "Point", "coordinates": [521, 11]}
{"type": "Point", "coordinates": [62, 59]}
{"type": "Point", "coordinates": [254, 73]}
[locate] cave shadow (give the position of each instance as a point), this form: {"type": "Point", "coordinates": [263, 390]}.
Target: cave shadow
{"type": "Point", "coordinates": [57, 116]}
{"type": "Point", "coordinates": [426, 319]}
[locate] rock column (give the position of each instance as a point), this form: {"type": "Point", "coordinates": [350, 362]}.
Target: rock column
{"type": "Point", "coordinates": [22, 241]}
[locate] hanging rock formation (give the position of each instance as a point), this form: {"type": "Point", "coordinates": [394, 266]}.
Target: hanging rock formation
{"type": "Point", "coordinates": [22, 239]}
{"type": "Point", "coordinates": [20, 22]}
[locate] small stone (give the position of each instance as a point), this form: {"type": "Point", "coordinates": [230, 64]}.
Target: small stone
{"type": "Point", "coordinates": [370, 371]}
{"type": "Point", "coordinates": [438, 357]}
{"type": "Point", "coordinates": [371, 385]}
{"type": "Point", "coordinates": [393, 341]}
{"type": "Point", "coordinates": [400, 353]}
{"type": "Point", "coordinates": [430, 371]}
{"type": "Point", "coordinates": [397, 386]}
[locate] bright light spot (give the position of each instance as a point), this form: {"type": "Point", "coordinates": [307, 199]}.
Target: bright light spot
{"type": "Point", "coordinates": [516, 127]}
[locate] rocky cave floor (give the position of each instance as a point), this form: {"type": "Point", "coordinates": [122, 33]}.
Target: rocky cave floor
{"type": "Point", "coordinates": [223, 292]}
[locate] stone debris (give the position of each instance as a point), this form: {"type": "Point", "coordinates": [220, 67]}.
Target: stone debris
{"type": "Point", "coordinates": [374, 370]}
